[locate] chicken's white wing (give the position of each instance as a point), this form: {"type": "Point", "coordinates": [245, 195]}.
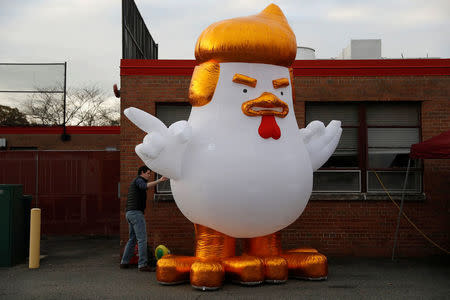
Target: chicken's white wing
{"type": "Point", "coordinates": [162, 148]}
{"type": "Point", "coordinates": [321, 141]}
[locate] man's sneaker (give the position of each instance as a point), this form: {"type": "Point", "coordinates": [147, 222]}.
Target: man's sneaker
{"type": "Point", "coordinates": [147, 269]}
{"type": "Point", "coordinates": [124, 266]}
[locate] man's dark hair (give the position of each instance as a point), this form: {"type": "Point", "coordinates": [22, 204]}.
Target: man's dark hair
{"type": "Point", "coordinates": [142, 169]}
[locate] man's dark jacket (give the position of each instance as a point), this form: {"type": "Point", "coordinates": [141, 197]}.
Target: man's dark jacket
{"type": "Point", "coordinates": [137, 194]}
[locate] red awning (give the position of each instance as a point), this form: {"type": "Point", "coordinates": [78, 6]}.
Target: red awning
{"type": "Point", "coordinates": [436, 147]}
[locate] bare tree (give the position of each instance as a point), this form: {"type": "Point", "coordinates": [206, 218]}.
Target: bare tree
{"type": "Point", "coordinates": [85, 106]}
{"type": "Point", "coordinates": [12, 117]}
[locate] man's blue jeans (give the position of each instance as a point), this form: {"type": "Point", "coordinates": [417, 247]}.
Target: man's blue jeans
{"type": "Point", "coordinates": [138, 231]}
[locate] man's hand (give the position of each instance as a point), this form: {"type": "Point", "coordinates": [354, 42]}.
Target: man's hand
{"type": "Point", "coordinates": [153, 183]}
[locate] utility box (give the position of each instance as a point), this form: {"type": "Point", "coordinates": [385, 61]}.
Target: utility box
{"type": "Point", "coordinates": [14, 209]}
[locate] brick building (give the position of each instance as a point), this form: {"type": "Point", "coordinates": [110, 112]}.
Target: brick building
{"type": "Point", "coordinates": [385, 106]}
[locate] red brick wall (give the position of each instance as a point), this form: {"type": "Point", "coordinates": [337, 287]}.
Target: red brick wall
{"type": "Point", "coordinates": [165, 223]}
{"type": "Point", "coordinates": [339, 227]}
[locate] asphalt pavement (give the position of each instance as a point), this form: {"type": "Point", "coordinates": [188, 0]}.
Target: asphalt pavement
{"type": "Point", "coordinates": [88, 268]}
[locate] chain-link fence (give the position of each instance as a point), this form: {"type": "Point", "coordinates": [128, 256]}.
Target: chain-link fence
{"type": "Point", "coordinates": [32, 94]}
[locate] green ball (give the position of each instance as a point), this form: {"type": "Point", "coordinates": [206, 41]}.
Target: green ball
{"type": "Point", "coordinates": [160, 251]}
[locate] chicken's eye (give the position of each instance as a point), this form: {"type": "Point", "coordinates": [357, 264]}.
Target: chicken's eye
{"type": "Point", "coordinates": [244, 90]}
{"type": "Point", "coordinates": [282, 93]}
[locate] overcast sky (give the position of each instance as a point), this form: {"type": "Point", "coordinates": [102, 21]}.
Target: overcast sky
{"type": "Point", "coordinates": [87, 33]}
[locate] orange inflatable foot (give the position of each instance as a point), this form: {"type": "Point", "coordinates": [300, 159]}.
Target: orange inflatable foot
{"type": "Point", "coordinates": [207, 275]}
{"type": "Point", "coordinates": [246, 270]}
{"type": "Point", "coordinates": [307, 265]}
{"type": "Point", "coordinates": [276, 269]}
{"type": "Point", "coordinates": [172, 269]}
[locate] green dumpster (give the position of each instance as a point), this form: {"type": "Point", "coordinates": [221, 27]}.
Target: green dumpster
{"type": "Point", "coordinates": [14, 224]}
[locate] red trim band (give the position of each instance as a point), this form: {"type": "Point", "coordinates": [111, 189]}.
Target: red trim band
{"type": "Point", "coordinates": [372, 67]}
{"type": "Point", "coordinates": [157, 67]}
{"type": "Point", "coordinates": [59, 130]}
{"type": "Point", "coordinates": [320, 67]}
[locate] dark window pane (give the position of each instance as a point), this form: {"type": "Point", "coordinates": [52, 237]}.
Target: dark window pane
{"type": "Point", "coordinates": [171, 113]}
{"type": "Point", "coordinates": [392, 137]}
{"type": "Point", "coordinates": [347, 113]}
{"type": "Point", "coordinates": [342, 159]}
{"type": "Point", "coordinates": [389, 147]}
{"type": "Point", "coordinates": [163, 187]}
{"type": "Point", "coordinates": [336, 181]}
{"type": "Point", "coordinates": [393, 181]}
{"type": "Point", "coordinates": [349, 139]}
{"type": "Point", "coordinates": [390, 158]}
{"type": "Point", "coordinates": [393, 114]}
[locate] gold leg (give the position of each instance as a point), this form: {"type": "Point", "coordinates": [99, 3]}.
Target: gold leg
{"type": "Point", "coordinates": [207, 273]}
{"type": "Point", "coordinates": [268, 249]}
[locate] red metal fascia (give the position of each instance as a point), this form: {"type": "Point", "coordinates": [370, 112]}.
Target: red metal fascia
{"type": "Point", "coordinates": [319, 67]}
{"type": "Point", "coordinates": [59, 130]}
{"type": "Point", "coordinates": [372, 67]}
{"type": "Point", "coordinates": [157, 67]}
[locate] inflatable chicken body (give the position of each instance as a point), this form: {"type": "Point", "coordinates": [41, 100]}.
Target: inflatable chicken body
{"type": "Point", "coordinates": [240, 167]}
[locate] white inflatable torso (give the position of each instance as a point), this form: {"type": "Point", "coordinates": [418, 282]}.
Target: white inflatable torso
{"type": "Point", "coordinates": [232, 179]}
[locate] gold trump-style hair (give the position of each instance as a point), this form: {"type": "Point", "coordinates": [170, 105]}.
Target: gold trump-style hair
{"type": "Point", "coordinates": [203, 83]}
{"type": "Point", "coordinates": [263, 38]}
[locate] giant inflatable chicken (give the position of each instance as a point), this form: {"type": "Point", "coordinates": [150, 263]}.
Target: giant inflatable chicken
{"type": "Point", "coordinates": [240, 167]}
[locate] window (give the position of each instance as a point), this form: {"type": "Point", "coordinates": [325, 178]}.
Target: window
{"type": "Point", "coordinates": [170, 113]}
{"type": "Point", "coordinates": [375, 137]}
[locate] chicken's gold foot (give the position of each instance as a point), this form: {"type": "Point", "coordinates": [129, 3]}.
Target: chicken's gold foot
{"type": "Point", "coordinates": [173, 269]}
{"type": "Point", "coordinates": [276, 269]}
{"type": "Point", "coordinates": [202, 274]}
{"type": "Point", "coordinates": [207, 275]}
{"type": "Point", "coordinates": [246, 270]}
{"type": "Point", "coordinates": [302, 263]}
{"type": "Point", "coordinates": [306, 263]}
